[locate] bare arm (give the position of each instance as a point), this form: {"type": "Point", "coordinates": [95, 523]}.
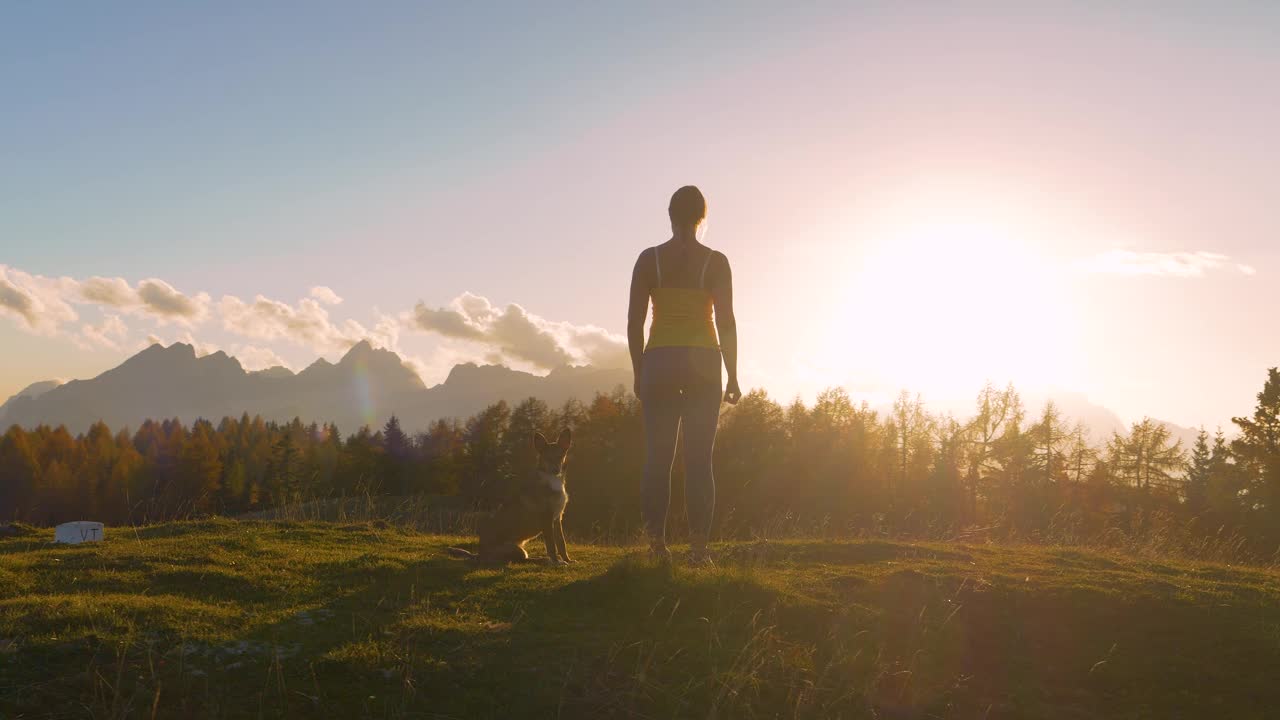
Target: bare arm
{"type": "Point", "coordinates": [637, 311]}
{"type": "Point", "coordinates": [727, 326]}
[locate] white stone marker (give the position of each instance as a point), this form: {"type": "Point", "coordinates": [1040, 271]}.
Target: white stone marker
{"type": "Point", "coordinates": [78, 532]}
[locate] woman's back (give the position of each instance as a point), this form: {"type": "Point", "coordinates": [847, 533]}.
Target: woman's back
{"type": "Point", "coordinates": [682, 301]}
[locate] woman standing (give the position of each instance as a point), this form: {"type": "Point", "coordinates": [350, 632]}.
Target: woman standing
{"type": "Point", "coordinates": [677, 373]}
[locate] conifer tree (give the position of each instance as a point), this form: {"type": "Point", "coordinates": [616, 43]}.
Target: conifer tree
{"type": "Point", "coordinates": [1258, 452]}
{"type": "Point", "coordinates": [1199, 472]}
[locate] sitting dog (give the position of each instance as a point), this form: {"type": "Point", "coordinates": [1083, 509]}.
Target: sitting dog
{"type": "Point", "coordinates": [536, 509]}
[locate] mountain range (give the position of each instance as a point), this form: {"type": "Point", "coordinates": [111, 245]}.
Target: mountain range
{"type": "Point", "coordinates": [366, 387]}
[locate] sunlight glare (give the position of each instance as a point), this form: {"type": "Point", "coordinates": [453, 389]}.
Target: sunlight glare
{"type": "Point", "coordinates": [955, 301]}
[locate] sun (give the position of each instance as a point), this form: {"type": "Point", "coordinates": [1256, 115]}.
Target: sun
{"type": "Point", "coordinates": [949, 301]}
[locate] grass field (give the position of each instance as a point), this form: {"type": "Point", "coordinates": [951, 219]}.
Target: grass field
{"type": "Point", "coordinates": [257, 619]}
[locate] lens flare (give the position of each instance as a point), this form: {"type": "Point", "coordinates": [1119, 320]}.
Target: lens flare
{"type": "Point", "coordinates": [363, 392]}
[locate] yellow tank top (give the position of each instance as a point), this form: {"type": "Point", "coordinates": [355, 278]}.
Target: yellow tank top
{"type": "Point", "coordinates": [682, 317]}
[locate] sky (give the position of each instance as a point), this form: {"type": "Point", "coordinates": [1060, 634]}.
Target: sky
{"type": "Point", "coordinates": [1069, 197]}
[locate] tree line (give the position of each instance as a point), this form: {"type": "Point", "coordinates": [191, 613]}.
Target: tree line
{"type": "Point", "coordinates": [831, 467]}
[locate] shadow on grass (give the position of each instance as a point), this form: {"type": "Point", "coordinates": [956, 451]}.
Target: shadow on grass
{"type": "Point", "coordinates": [391, 634]}
{"type": "Point", "coordinates": [207, 583]}
{"type": "Point", "coordinates": [1085, 560]}
{"type": "Point", "coordinates": [861, 552]}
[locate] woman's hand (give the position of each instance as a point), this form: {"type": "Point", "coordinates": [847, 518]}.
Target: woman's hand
{"type": "Point", "coordinates": [731, 392]}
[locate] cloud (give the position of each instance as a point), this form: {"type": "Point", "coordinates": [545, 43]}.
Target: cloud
{"type": "Point", "coordinates": [16, 300]}
{"type": "Point", "coordinates": [113, 292]}
{"type": "Point", "coordinates": [44, 305]}
{"type": "Point", "coordinates": [477, 308]}
{"type": "Point", "coordinates": [508, 334]}
{"type": "Point", "coordinates": [446, 322]}
{"type": "Point", "coordinates": [267, 319]}
{"type": "Point", "coordinates": [325, 295]}
{"type": "Point", "coordinates": [386, 331]}
{"type": "Point", "coordinates": [599, 347]}
{"type": "Point", "coordinates": [1164, 264]}
{"type": "Point", "coordinates": [163, 300]}
{"type": "Point", "coordinates": [307, 324]}
{"type": "Point", "coordinates": [519, 336]}
{"type": "Point", "coordinates": [514, 334]}
{"type": "Point", "coordinates": [153, 297]}
{"type": "Point", "coordinates": [254, 357]}
{"type": "Point", "coordinates": [201, 347]}
{"type": "Point", "coordinates": [110, 333]}
{"type": "Point", "coordinates": [36, 300]}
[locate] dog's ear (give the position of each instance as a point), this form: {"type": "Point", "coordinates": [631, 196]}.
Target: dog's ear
{"type": "Point", "coordinates": [540, 441]}
{"type": "Point", "coordinates": [565, 440]}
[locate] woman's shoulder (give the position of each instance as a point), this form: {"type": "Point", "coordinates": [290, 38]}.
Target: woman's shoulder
{"type": "Point", "coordinates": [717, 257]}
{"type": "Point", "coordinates": [647, 255]}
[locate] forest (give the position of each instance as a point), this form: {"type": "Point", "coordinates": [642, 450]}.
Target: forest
{"type": "Point", "coordinates": [833, 468]}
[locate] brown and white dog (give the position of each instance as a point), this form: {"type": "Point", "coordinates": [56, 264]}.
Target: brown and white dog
{"type": "Point", "coordinates": [536, 509]}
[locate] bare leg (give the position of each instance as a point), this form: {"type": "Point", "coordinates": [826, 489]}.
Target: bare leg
{"type": "Point", "coordinates": [660, 403]}
{"type": "Point", "coordinates": [701, 413]}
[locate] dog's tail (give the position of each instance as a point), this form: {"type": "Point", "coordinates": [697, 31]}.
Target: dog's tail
{"type": "Point", "coordinates": [460, 553]}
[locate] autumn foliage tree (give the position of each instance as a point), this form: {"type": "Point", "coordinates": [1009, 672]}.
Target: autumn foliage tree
{"type": "Point", "coordinates": [833, 467]}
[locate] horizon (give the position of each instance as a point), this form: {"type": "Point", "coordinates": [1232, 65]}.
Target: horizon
{"type": "Point", "coordinates": [1096, 419]}
{"type": "Point", "coordinates": [1065, 199]}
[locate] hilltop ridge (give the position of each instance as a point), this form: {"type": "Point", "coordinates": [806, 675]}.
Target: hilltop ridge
{"type": "Point", "coordinates": [245, 619]}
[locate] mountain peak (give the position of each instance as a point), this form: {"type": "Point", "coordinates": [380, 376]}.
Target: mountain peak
{"type": "Point", "coordinates": [180, 349]}
{"type": "Point", "coordinates": [158, 356]}
{"type": "Point", "coordinates": [366, 387]}
{"type": "Point", "coordinates": [364, 351]}
{"type": "Point", "coordinates": [37, 389]}
{"type": "Point", "coordinates": [471, 372]}
{"type": "Point", "coordinates": [28, 394]}
{"type": "Point", "coordinates": [221, 361]}
{"type": "Point", "coordinates": [561, 371]}
{"type": "Point", "coordinates": [363, 347]}
{"type": "Point", "coordinates": [275, 371]}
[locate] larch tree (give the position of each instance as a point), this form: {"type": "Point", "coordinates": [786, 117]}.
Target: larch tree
{"type": "Point", "coordinates": [1147, 458]}
{"type": "Point", "coordinates": [996, 409]}
{"type": "Point", "coordinates": [1050, 439]}
{"type": "Point", "coordinates": [200, 470]}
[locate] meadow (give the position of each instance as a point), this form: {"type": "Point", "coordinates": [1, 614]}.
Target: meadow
{"type": "Point", "coordinates": [250, 619]}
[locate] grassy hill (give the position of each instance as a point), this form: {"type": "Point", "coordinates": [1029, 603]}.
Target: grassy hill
{"type": "Point", "coordinates": [255, 619]}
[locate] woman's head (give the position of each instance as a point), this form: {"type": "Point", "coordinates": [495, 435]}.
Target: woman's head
{"type": "Point", "coordinates": [688, 208]}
